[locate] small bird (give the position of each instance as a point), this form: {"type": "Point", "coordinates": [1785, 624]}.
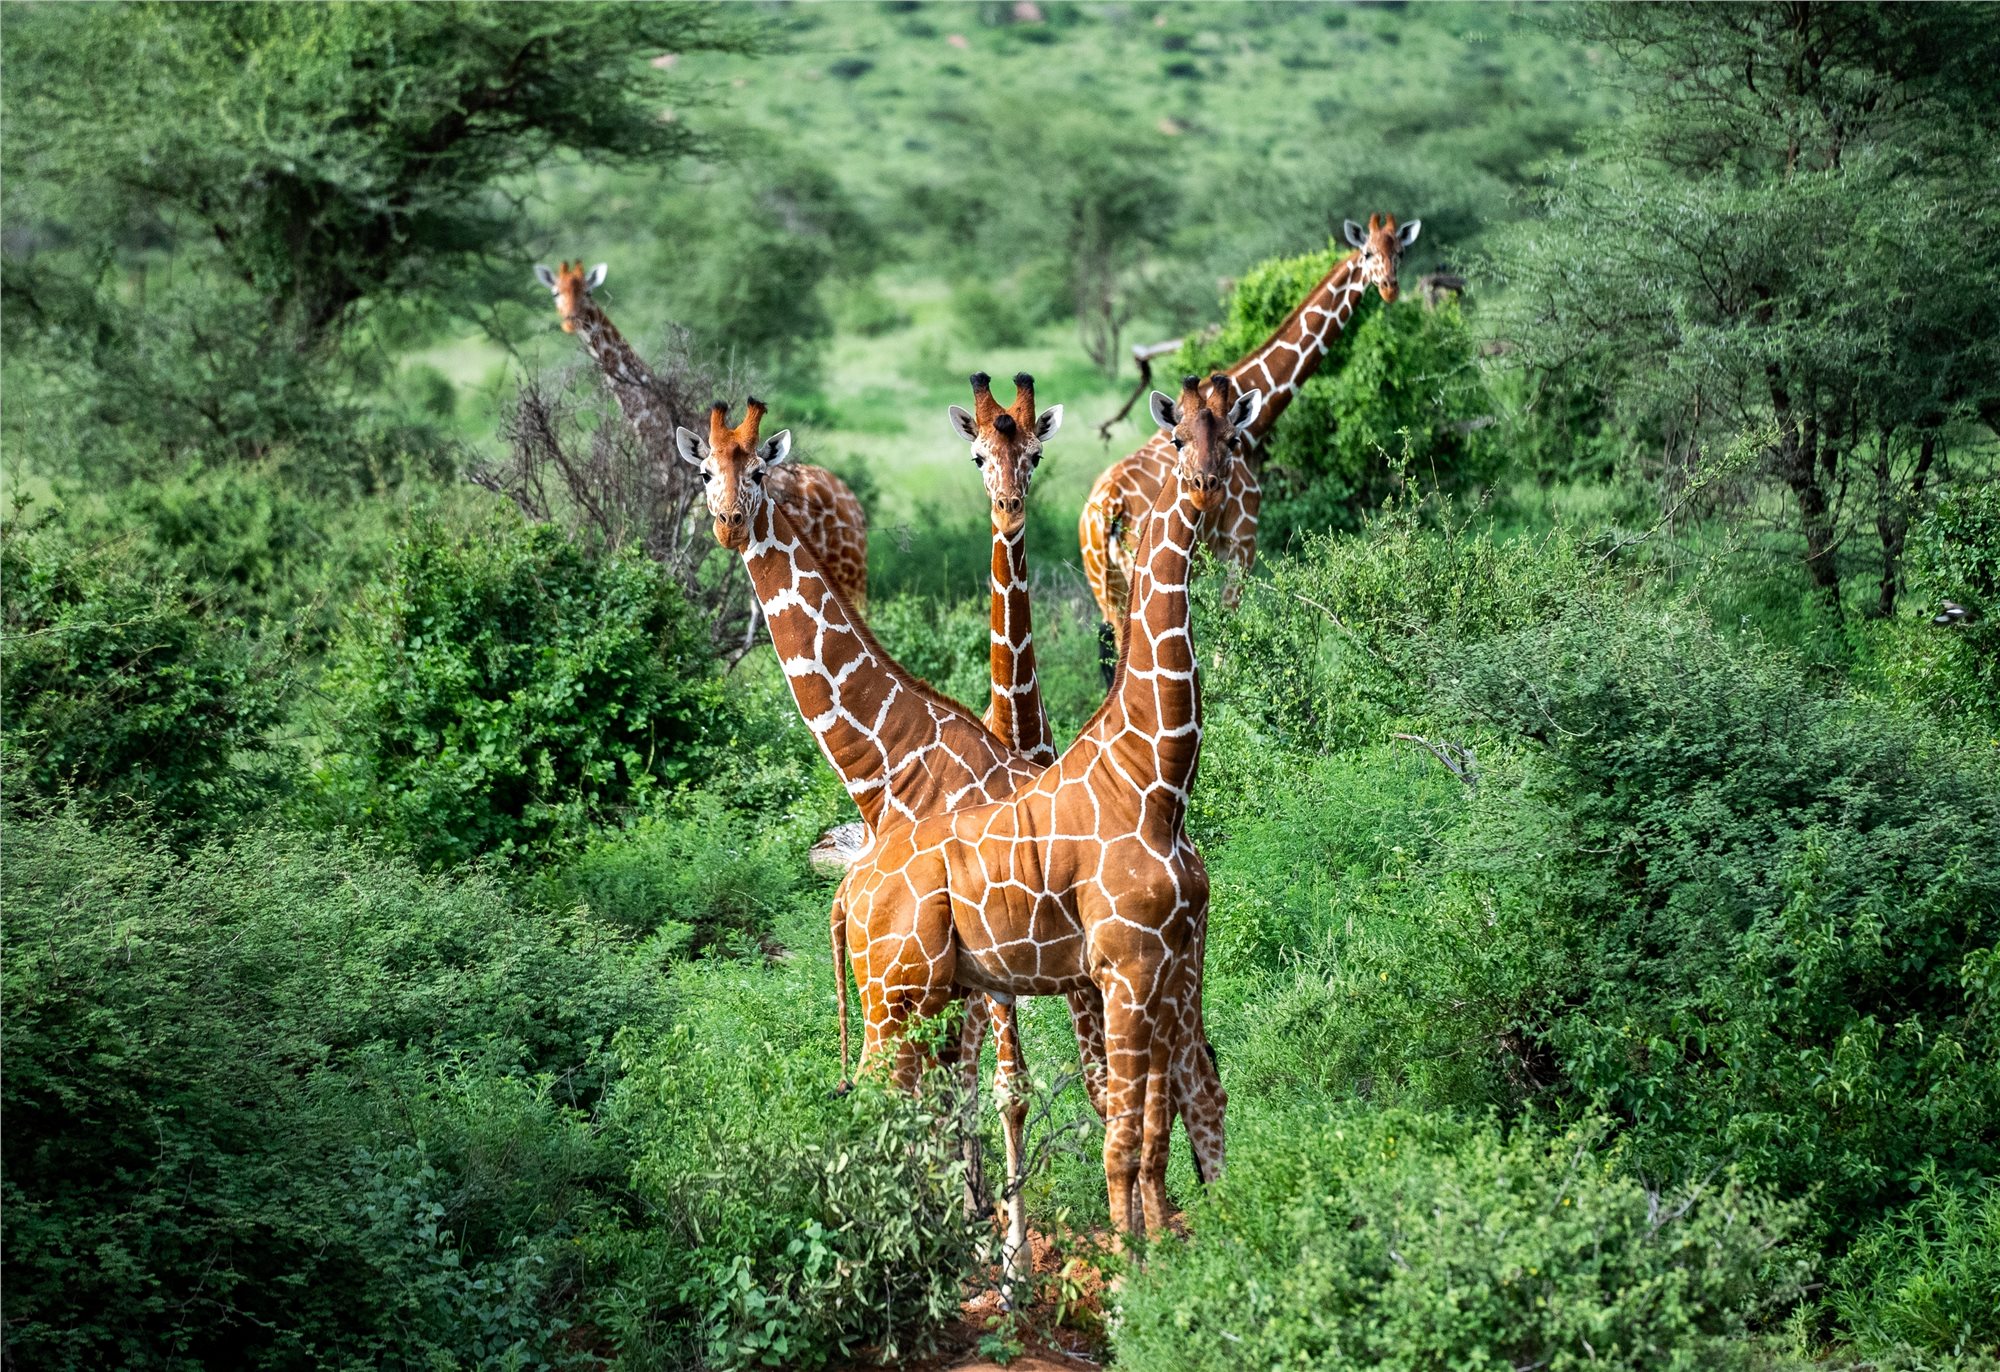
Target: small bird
{"type": "Point", "coordinates": [1952, 613]}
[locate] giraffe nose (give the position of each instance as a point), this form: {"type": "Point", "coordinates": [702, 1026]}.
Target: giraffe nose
{"type": "Point", "coordinates": [1011, 505]}
{"type": "Point", "coordinates": [733, 519]}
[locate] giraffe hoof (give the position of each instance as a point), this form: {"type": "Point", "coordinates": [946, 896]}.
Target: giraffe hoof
{"type": "Point", "coordinates": [841, 1090]}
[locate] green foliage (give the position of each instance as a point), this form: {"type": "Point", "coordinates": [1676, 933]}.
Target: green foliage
{"type": "Point", "coordinates": [508, 688]}
{"type": "Point", "coordinates": [798, 1229]}
{"type": "Point", "coordinates": [1749, 256]}
{"type": "Point", "coordinates": [1955, 555]}
{"type": "Point", "coordinates": [1399, 398]}
{"type": "Point", "coordinates": [1782, 902]}
{"type": "Point", "coordinates": [694, 876]}
{"type": "Point", "coordinates": [1403, 1241]}
{"type": "Point", "coordinates": [775, 243]}
{"type": "Point", "coordinates": [1748, 916]}
{"type": "Point", "coordinates": [1926, 1274]}
{"type": "Point", "coordinates": [344, 156]}
{"type": "Point", "coordinates": [120, 685]}
{"type": "Point", "coordinates": [245, 1081]}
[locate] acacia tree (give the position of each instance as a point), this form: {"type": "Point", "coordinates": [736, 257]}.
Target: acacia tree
{"type": "Point", "coordinates": [205, 202]}
{"type": "Point", "coordinates": [1791, 240]}
{"type": "Point", "coordinates": [334, 154]}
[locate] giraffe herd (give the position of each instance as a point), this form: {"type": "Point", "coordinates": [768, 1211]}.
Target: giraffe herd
{"type": "Point", "coordinates": [990, 866]}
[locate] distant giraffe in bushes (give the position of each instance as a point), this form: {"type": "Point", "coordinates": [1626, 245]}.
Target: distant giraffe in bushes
{"type": "Point", "coordinates": [822, 506]}
{"type": "Point", "coordinates": [1277, 368]}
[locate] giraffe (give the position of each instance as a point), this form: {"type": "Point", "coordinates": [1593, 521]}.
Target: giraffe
{"type": "Point", "coordinates": [1277, 368]}
{"type": "Point", "coordinates": [901, 749]}
{"type": "Point", "coordinates": [821, 504]}
{"type": "Point", "coordinates": [1086, 875]}
{"type": "Point", "coordinates": [1006, 448]}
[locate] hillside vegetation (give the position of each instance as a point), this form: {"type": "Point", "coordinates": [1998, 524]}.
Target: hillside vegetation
{"type": "Point", "coordinates": [411, 953]}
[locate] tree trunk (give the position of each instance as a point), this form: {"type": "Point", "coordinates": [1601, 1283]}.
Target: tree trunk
{"type": "Point", "coordinates": [1799, 466]}
{"type": "Point", "coordinates": [1892, 516]}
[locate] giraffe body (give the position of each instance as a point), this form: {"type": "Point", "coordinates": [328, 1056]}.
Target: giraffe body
{"type": "Point", "coordinates": [1280, 365]}
{"type": "Point", "coordinates": [822, 506]}
{"type": "Point", "coordinates": [1084, 879]}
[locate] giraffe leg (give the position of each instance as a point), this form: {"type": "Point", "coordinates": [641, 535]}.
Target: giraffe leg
{"type": "Point", "coordinates": [1010, 1094]}
{"type": "Point", "coordinates": [1086, 1013]}
{"type": "Point", "coordinates": [1129, 1025]}
{"type": "Point", "coordinates": [971, 1038]}
{"type": "Point", "coordinates": [1157, 1127]}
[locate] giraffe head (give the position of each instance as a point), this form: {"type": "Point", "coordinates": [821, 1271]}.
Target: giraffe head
{"type": "Point", "coordinates": [1006, 444]}
{"type": "Point", "coordinates": [733, 465]}
{"type": "Point", "coordinates": [1207, 430]}
{"type": "Point", "coordinates": [571, 285]}
{"type": "Point", "coordinates": [1381, 244]}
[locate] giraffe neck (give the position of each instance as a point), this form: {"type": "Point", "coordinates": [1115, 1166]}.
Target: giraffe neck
{"type": "Point", "coordinates": [901, 749]}
{"type": "Point", "coordinates": [1015, 711]}
{"type": "Point", "coordinates": [1153, 721]}
{"type": "Point", "coordinates": [626, 375]}
{"type": "Point", "coordinates": [1285, 360]}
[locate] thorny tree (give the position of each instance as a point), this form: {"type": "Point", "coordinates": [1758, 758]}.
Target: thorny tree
{"type": "Point", "coordinates": [572, 461]}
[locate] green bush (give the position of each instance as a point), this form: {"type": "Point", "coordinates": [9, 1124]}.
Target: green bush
{"type": "Point", "coordinates": [1748, 915]}
{"type": "Point", "coordinates": [1927, 1275]}
{"type": "Point", "coordinates": [1407, 1241]}
{"type": "Point", "coordinates": [695, 876]}
{"type": "Point", "coordinates": [1778, 903]}
{"type": "Point", "coordinates": [119, 685]}
{"type": "Point", "coordinates": [1955, 555]}
{"type": "Point", "coordinates": [298, 1088]}
{"type": "Point", "coordinates": [791, 1229]}
{"type": "Point", "coordinates": [1398, 397]}
{"type": "Point", "coordinates": [509, 688]}
{"type": "Point", "coordinates": [987, 318]}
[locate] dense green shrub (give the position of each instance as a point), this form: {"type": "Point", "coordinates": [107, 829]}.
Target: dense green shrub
{"type": "Point", "coordinates": [694, 876]}
{"type": "Point", "coordinates": [1750, 916]}
{"type": "Point", "coordinates": [1928, 1274]}
{"type": "Point", "coordinates": [1778, 901]}
{"type": "Point", "coordinates": [296, 1087]}
{"type": "Point", "coordinates": [1955, 555]}
{"type": "Point", "coordinates": [1388, 1240]}
{"type": "Point", "coordinates": [1398, 397]}
{"type": "Point", "coordinates": [120, 684]}
{"type": "Point", "coordinates": [509, 687]}
{"type": "Point", "coordinates": [791, 1229]}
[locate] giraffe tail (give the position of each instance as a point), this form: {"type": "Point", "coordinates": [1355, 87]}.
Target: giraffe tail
{"type": "Point", "coordinates": [837, 936]}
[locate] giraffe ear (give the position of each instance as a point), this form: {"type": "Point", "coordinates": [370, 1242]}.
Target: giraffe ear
{"type": "Point", "coordinates": [1048, 422]}
{"type": "Point", "coordinates": [776, 448]}
{"type": "Point", "coordinates": [1356, 236]}
{"type": "Point", "coordinates": [1246, 409]}
{"type": "Point", "coordinates": [688, 443]}
{"type": "Point", "coordinates": [545, 276]}
{"type": "Point", "coordinates": [596, 277]}
{"type": "Point", "coordinates": [1408, 233]}
{"type": "Point", "coordinates": [1161, 406]}
{"type": "Point", "coordinates": [962, 425]}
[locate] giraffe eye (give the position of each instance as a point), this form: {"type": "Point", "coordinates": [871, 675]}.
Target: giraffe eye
{"type": "Point", "coordinates": [758, 476]}
{"type": "Point", "coordinates": [978, 458]}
